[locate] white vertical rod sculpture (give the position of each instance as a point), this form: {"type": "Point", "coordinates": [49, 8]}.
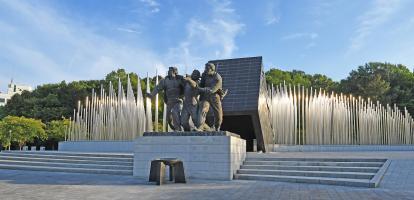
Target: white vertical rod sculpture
{"type": "Point", "coordinates": [141, 116]}
{"type": "Point", "coordinates": [109, 117]}
{"type": "Point", "coordinates": [164, 118]}
{"type": "Point", "coordinates": [156, 103]}
{"type": "Point", "coordinates": [148, 108]}
{"type": "Point", "coordinates": [316, 117]}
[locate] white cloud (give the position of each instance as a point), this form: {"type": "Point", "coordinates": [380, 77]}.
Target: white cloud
{"type": "Point", "coordinates": [272, 20]}
{"type": "Point", "coordinates": [213, 38]}
{"type": "Point", "coordinates": [295, 36]}
{"type": "Point", "coordinates": [380, 13]}
{"type": "Point", "coordinates": [308, 38]}
{"type": "Point", "coordinates": [48, 48]}
{"type": "Point", "coordinates": [154, 5]}
{"type": "Point", "coordinates": [310, 45]}
{"type": "Point", "coordinates": [272, 13]}
{"type": "Point", "coordinates": [128, 30]}
{"type": "Point", "coordinates": [322, 8]}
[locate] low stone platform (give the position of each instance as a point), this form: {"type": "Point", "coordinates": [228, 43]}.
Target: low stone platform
{"type": "Point", "coordinates": [106, 146]}
{"type": "Point", "coordinates": [206, 155]}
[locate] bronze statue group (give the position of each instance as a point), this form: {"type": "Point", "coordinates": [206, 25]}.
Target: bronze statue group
{"type": "Point", "coordinates": [191, 97]}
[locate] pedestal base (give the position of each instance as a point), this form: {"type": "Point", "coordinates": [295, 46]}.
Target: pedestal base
{"type": "Point", "coordinates": [205, 155]}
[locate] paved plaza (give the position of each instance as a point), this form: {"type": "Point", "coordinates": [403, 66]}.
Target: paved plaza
{"type": "Point", "coordinates": [398, 183]}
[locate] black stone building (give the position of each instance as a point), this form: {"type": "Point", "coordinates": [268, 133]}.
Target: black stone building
{"type": "Point", "coordinates": [245, 109]}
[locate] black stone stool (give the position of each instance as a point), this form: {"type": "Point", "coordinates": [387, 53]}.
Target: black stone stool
{"type": "Point", "coordinates": [157, 172]}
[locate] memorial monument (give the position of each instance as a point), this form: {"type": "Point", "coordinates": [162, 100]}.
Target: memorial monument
{"type": "Point", "coordinates": [206, 151]}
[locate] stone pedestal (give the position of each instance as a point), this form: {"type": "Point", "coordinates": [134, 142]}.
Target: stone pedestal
{"type": "Point", "coordinates": [206, 155]}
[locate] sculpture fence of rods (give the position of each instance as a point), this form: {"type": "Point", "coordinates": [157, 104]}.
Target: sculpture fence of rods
{"type": "Point", "coordinates": [110, 116]}
{"type": "Point", "coordinates": [310, 117]}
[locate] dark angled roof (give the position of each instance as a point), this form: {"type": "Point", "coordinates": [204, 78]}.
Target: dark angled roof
{"type": "Point", "coordinates": [241, 76]}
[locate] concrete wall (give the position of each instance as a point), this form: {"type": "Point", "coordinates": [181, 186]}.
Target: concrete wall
{"type": "Point", "coordinates": [204, 157]}
{"type": "Point", "coordinates": [97, 146]}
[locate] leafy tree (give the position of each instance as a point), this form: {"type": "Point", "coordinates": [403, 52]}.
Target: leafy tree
{"type": "Point", "coordinates": [4, 141]}
{"type": "Point", "coordinates": [295, 77]}
{"type": "Point", "coordinates": [50, 101]}
{"type": "Point", "coordinates": [384, 82]}
{"type": "Point", "coordinates": [21, 130]}
{"type": "Point", "coordinates": [55, 131]}
{"type": "Point", "coordinates": [322, 81]}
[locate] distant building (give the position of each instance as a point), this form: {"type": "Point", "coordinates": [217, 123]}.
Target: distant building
{"type": "Point", "coordinates": [12, 90]}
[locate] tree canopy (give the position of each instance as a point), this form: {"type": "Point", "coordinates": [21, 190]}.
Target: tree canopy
{"type": "Point", "coordinates": [21, 130]}
{"type": "Point", "coordinates": [55, 131]}
{"type": "Point", "coordinates": [295, 77]}
{"type": "Point", "coordinates": [383, 82]}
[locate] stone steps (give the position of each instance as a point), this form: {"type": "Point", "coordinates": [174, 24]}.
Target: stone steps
{"type": "Point", "coordinates": [69, 165]}
{"type": "Point", "coordinates": [315, 163]}
{"type": "Point", "coordinates": [357, 172]}
{"type": "Point", "coordinates": [75, 157]}
{"type": "Point", "coordinates": [65, 160]}
{"type": "Point", "coordinates": [304, 179]}
{"type": "Point", "coordinates": [267, 158]}
{"type": "Point", "coordinates": [93, 163]}
{"type": "Point", "coordinates": [313, 168]}
{"type": "Point", "coordinates": [69, 153]}
{"type": "Point", "coordinates": [351, 175]}
{"type": "Point", "coordinates": [67, 169]}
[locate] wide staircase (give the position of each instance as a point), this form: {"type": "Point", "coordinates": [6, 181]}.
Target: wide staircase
{"type": "Point", "coordinates": [71, 162]}
{"type": "Point", "coordinates": [358, 172]}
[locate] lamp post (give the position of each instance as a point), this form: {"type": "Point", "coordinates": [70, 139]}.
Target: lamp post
{"type": "Point", "coordinates": [10, 138]}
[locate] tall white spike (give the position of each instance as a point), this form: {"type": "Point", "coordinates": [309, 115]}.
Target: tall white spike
{"type": "Point", "coordinates": [149, 125]}
{"type": "Point", "coordinates": [164, 118]}
{"type": "Point", "coordinates": [156, 103]}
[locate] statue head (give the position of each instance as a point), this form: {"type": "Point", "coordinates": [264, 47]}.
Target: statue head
{"type": "Point", "coordinates": [210, 69]}
{"type": "Point", "coordinates": [195, 75]}
{"type": "Point", "coordinates": [172, 72]}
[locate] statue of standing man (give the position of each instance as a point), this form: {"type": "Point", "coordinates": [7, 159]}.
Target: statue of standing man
{"type": "Point", "coordinates": [173, 86]}
{"type": "Point", "coordinates": [210, 97]}
{"type": "Point", "coordinates": [190, 108]}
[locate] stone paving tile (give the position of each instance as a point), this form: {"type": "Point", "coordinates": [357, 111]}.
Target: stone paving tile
{"type": "Point", "coordinates": [398, 183]}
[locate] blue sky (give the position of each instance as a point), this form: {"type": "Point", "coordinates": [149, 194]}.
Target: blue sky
{"type": "Point", "coordinates": [46, 41]}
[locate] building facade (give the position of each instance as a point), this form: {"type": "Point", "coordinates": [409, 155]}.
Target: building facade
{"type": "Point", "coordinates": [13, 89]}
